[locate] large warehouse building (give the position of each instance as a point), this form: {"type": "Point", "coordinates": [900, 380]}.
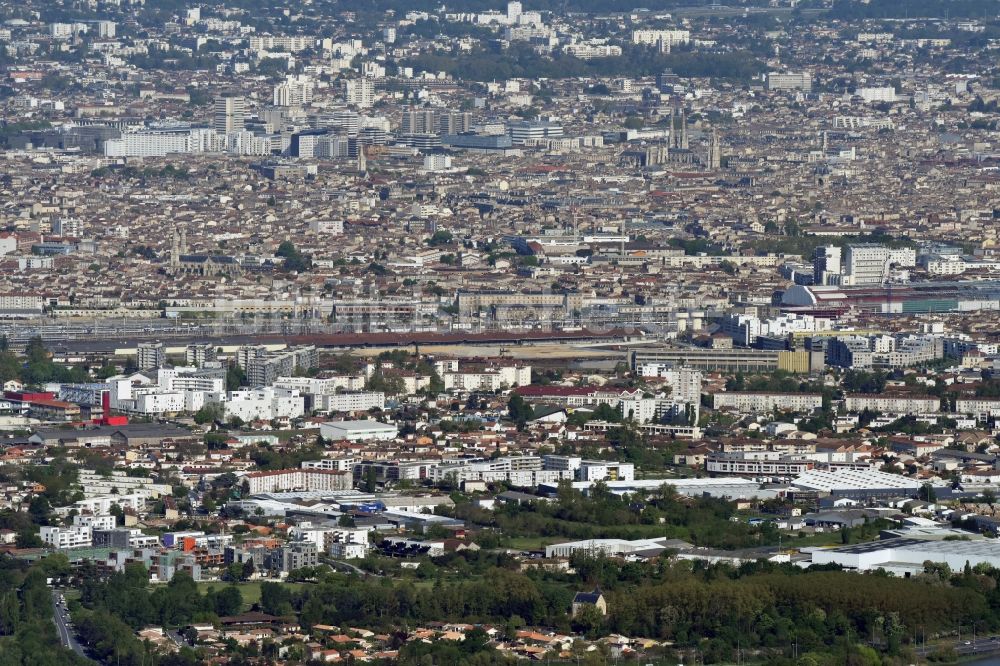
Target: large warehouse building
{"type": "Point", "coordinates": [907, 556]}
{"type": "Point", "coordinates": [919, 297]}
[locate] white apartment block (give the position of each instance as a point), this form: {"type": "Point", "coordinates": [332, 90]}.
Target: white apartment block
{"type": "Point", "coordinates": [27, 302]}
{"type": "Point", "coordinates": [585, 51]}
{"type": "Point", "coordinates": [348, 551]}
{"type": "Point", "coordinates": [519, 478]}
{"type": "Point", "coordinates": [159, 143]}
{"type": "Point", "coordinates": [298, 479]}
{"type": "Point", "coordinates": [871, 264]}
{"type": "Point", "coordinates": [757, 467]}
{"type": "Point", "coordinates": [189, 379]}
{"type": "Point", "coordinates": [359, 401]}
{"type": "Point", "coordinates": [359, 93]}
{"type": "Point", "coordinates": [491, 378]}
{"type": "Point", "coordinates": [327, 385]}
{"type": "Point", "coordinates": [289, 43]}
{"type": "Point", "coordinates": [889, 404]}
{"type": "Point", "coordinates": [684, 383]}
{"type": "Point", "coordinates": [523, 471]}
{"type": "Point", "coordinates": [100, 484]}
{"type": "Point", "coordinates": [600, 470]}
{"type": "Point", "coordinates": [77, 536]}
{"type": "Point", "coordinates": [870, 95]}
{"type": "Point", "coordinates": [296, 90]}
{"type": "Point", "coordinates": [665, 37]}
{"type": "Point", "coordinates": [332, 464]}
{"type": "Point", "coordinates": [326, 226]}
{"type": "Point", "coordinates": [264, 404]}
{"type": "Point", "coordinates": [101, 504]}
{"type": "Point", "coordinates": [158, 401]}
{"type": "Point", "coordinates": [339, 542]}
{"type": "Point", "coordinates": [980, 408]}
{"type": "Point", "coordinates": [590, 470]}
{"type": "Point", "coordinates": [956, 265]}
{"type": "Point", "coordinates": [95, 522]}
{"type": "Point", "coordinates": [765, 402]}
{"type": "Point", "coordinates": [789, 81]}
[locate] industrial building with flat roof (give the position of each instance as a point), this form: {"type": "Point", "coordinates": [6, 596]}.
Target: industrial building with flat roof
{"type": "Point", "coordinates": [912, 298]}
{"type": "Point", "coordinates": [731, 360]}
{"type": "Point", "coordinates": [856, 483]}
{"type": "Point", "coordinates": [724, 488]}
{"type": "Point", "coordinates": [907, 556]}
{"type": "Point", "coordinates": [357, 431]}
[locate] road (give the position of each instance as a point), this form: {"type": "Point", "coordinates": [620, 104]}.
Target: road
{"type": "Point", "coordinates": [66, 634]}
{"type": "Point", "coordinates": [351, 568]}
{"type": "Point", "coordinates": [982, 645]}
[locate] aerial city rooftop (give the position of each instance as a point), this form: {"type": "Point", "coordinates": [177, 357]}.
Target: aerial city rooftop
{"type": "Point", "coordinates": [400, 332]}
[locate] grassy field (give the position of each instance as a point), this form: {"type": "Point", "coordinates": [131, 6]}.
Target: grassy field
{"type": "Point", "coordinates": [250, 591]}
{"type": "Point", "coordinates": [532, 543]}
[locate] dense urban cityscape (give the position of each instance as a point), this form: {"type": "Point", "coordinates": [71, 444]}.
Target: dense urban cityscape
{"type": "Point", "coordinates": [400, 332]}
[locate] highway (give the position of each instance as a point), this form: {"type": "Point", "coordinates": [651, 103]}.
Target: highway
{"type": "Point", "coordinates": [983, 645]}
{"type": "Point", "coordinates": [66, 634]}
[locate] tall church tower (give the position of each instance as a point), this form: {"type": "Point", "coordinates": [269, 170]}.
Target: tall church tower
{"type": "Point", "coordinates": [715, 152]}
{"type": "Point", "coordinates": [362, 161]}
{"type": "Point", "coordinates": [175, 253]}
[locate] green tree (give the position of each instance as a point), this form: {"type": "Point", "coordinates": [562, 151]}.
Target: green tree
{"type": "Point", "coordinates": [229, 601]}
{"type": "Point", "coordinates": [235, 377]}
{"type": "Point", "coordinates": [519, 410]}
{"type": "Point", "coordinates": [210, 412]}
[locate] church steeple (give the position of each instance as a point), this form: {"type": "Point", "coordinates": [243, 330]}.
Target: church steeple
{"type": "Point", "coordinates": [715, 151]}
{"type": "Point", "coordinates": [175, 253]}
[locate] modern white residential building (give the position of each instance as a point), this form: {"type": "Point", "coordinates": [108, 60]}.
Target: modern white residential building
{"type": "Point", "coordinates": [326, 385]}
{"type": "Point", "coordinates": [335, 464]}
{"type": "Point", "coordinates": [76, 536]}
{"type": "Point", "coordinates": [590, 470]}
{"type": "Point", "coordinates": [525, 131]}
{"type": "Point", "coordinates": [95, 522]}
{"type": "Point", "coordinates": [101, 504]}
{"type": "Point", "coordinates": [262, 404]}
{"type": "Point", "coordinates": [190, 378]}
{"type": "Point", "coordinates": [158, 401]}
